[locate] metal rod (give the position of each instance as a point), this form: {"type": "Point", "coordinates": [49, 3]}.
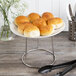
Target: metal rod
{"type": "Point", "coordinates": [26, 45]}
{"type": "Point", "coordinates": [53, 48]}
{"type": "Point", "coordinates": [52, 45]}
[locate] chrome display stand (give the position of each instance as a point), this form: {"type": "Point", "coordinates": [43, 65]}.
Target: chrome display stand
{"type": "Point", "coordinates": [51, 53]}
{"type": "Point", "coordinates": [27, 52]}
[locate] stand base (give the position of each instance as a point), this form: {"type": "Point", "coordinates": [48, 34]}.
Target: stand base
{"type": "Point", "coordinates": [36, 58]}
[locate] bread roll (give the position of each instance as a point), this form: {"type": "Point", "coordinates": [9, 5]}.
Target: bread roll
{"type": "Point", "coordinates": [33, 16]}
{"type": "Point", "coordinates": [39, 22]}
{"type": "Point", "coordinates": [46, 30]}
{"type": "Point", "coordinates": [47, 15]}
{"type": "Point", "coordinates": [21, 19]}
{"type": "Point", "coordinates": [21, 27]}
{"type": "Point", "coordinates": [56, 22]}
{"type": "Point", "coordinates": [31, 31]}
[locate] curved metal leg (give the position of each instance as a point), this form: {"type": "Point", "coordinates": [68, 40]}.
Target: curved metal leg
{"type": "Point", "coordinates": [24, 56]}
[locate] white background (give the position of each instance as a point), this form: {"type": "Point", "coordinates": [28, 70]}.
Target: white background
{"type": "Point", "coordinates": [57, 7]}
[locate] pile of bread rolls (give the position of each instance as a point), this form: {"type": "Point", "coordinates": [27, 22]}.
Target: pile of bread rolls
{"type": "Point", "coordinates": [35, 25]}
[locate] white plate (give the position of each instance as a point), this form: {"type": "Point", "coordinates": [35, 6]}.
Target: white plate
{"type": "Point", "coordinates": [15, 31]}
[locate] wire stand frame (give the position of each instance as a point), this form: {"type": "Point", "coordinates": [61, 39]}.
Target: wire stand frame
{"type": "Point", "coordinates": [32, 50]}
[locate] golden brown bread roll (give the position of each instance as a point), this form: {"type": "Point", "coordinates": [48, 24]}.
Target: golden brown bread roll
{"type": "Point", "coordinates": [47, 15]}
{"type": "Point", "coordinates": [21, 19]}
{"type": "Point", "coordinates": [46, 30]}
{"type": "Point", "coordinates": [32, 31]}
{"type": "Point", "coordinates": [56, 22]}
{"type": "Point", "coordinates": [33, 16]}
{"type": "Point", "coordinates": [22, 27]}
{"type": "Point", "coordinates": [39, 22]}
